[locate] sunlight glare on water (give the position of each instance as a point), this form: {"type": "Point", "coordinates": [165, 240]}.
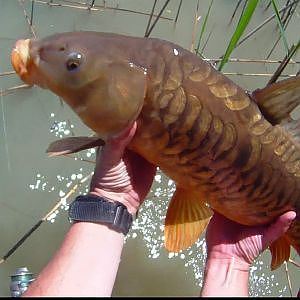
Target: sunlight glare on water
{"type": "Point", "coordinates": [31, 183]}
{"type": "Point", "coordinates": [149, 224]}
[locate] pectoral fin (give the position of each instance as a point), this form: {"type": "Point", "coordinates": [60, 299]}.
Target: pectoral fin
{"type": "Point", "coordinates": [73, 145]}
{"type": "Point", "coordinates": [277, 101]}
{"type": "Point", "coordinates": [187, 218]}
{"type": "Point", "coordinates": [280, 250]}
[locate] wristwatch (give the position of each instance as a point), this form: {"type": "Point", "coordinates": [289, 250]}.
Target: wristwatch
{"type": "Point", "coordinates": [90, 208]}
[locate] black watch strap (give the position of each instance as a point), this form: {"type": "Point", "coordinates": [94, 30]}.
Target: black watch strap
{"type": "Point", "coordinates": [95, 209]}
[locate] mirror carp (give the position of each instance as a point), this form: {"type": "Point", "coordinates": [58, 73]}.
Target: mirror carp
{"type": "Point", "coordinates": [228, 150]}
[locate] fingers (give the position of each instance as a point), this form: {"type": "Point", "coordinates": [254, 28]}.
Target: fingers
{"type": "Point", "coordinates": [278, 228]}
{"type": "Point", "coordinates": [143, 172]}
{"type": "Point", "coordinates": [122, 139]}
{"type": "Point", "coordinates": [114, 147]}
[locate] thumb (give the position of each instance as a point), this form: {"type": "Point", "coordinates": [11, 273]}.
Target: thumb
{"type": "Point", "coordinates": [278, 228]}
{"type": "Point", "coordinates": [114, 147]}
{"type": "Point", "coordinates": [122, 139]}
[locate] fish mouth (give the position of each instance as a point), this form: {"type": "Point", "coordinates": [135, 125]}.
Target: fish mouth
{"type": "Point", "coordinates": [21, 60]}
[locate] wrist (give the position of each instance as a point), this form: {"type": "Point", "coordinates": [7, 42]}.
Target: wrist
{"type": "Point", "coordinates": [225, 276]}
{"type": "Point", "coordinates": [217, 256]}
{"type": "Point", "coordinates": [110, 196]}
{"type": "Point", "coordinates": [95, 209]}
{"type": "Point", "coordinates": [229, 263]}
{"type": "Point", "coordinates": [128, 198]}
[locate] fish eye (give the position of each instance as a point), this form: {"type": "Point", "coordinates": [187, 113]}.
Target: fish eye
{"type": "Point", "coordinates": [74, 61]}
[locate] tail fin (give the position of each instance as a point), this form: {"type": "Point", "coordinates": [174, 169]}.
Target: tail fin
{"type": "Point", "coordinates": [281, 248]}
{"type": "Point", "coordinates": [280, 251]}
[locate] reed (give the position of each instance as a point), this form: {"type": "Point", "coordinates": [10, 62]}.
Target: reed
{"type": "Point", "coordinates": [240, 28]}
{"type": "Point", "coordinates": [203, 28]}
{"type": "Point", "coordinates": [242, 33]}
{"type": "Point", "coordinates": [280, 25]}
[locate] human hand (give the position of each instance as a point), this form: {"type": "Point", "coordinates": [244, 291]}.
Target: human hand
{"type": "Point", "coordinates": [227, 239]}
{"type": "Point", "coordinates": [120, 174]}
{"type": "Point", "coordinates": [232, 248]}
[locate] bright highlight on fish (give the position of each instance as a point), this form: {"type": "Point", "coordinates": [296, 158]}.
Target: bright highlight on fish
{"type": "Point", "coordinates": [224, 148]}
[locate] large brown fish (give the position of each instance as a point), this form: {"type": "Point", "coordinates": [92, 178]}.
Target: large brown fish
{"type": "Point", "coordinates": [236, 153]}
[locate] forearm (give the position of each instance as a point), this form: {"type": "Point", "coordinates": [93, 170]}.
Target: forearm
{"type": "Point", "coordinates": [85, 265]}
{"type": "Point", "coordinates": [225, 277]}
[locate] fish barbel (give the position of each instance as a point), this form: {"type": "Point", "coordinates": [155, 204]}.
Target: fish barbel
{"type": "Point", "coordinates": [227, 150]}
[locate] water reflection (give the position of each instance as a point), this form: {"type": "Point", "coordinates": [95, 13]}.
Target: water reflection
{"type": "Point", "coordinates": [32, 184]}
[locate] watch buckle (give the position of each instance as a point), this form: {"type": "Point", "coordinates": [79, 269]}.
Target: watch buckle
{"type": "Point", "coordinates": [119, 216]}
{"type": "Point", "coordinates": [122, 218]}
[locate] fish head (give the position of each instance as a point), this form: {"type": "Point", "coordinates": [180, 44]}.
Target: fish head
{"type": "Point", "coordinates": [89, 72]}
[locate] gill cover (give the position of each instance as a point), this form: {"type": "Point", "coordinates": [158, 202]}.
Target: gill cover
{"type": "Point", "coordinates": [113, 102]}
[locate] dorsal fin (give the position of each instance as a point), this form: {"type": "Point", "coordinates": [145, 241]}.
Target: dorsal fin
{"type": "Point", "coordinates": [277, 101]}
{"type": "Point", "coordinates": [293, 128]}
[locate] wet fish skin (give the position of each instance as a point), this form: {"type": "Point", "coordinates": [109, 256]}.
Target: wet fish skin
{"type": "Point", "coordinates": [197, 125]}
{"type": "Point", "coordinates": [46, 67]}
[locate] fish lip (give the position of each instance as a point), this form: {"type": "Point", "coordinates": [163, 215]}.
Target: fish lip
{"type": "Point", "coordinates": [26, 61]}
{"type": "Point", "coordinates": [21, 59]}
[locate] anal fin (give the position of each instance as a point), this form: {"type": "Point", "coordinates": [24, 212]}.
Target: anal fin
{"type": "Point", "coordinates": [280, 251]}
{"type": "Point", "coordinates": [187, 218]}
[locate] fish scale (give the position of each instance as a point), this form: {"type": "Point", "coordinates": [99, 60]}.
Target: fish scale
{"type": "Point", "coordinates": [226, 149]}
{"type": "Point", "coordinates": [210, 134]}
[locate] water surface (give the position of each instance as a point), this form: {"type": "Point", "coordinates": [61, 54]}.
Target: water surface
{"type": "Point", "coordinates": [31, 183]}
